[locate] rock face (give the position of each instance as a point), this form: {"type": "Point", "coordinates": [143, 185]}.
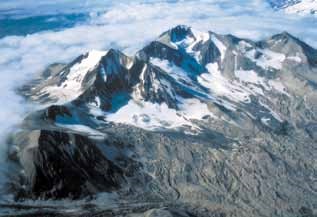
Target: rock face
{"type": "Point", "coordinates": [205, 124]}
{"type": "Point", "coordinates": [87, 170]}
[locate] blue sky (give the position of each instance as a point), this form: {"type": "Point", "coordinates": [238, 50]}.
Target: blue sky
{"type": "Point", "coordinates": [36, 33]}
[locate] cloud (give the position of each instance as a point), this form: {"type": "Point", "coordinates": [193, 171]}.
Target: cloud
{"type": "Point", "coordinates": [127, 26]}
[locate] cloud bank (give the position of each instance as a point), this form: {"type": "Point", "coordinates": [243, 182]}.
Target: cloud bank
{"type": "Point", "coordinates": [127, 26]}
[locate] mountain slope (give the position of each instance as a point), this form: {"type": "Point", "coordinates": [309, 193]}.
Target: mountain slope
{"type": "Point", "coordinates": [302, 7]}
{"type": "Point", "coordinates": [207, 124]}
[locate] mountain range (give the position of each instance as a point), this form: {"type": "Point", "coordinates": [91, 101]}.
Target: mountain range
{"type": "Point", "coordinates": [194, 124]}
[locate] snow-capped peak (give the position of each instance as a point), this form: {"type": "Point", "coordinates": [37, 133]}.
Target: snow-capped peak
{"type": "Point", "coordinates": [72, 78]}
{"type": "Point", "coordinates": [183, 69]}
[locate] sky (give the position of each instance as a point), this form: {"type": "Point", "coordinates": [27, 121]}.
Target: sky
{"type": "Point", "coordinates": [35, 33]}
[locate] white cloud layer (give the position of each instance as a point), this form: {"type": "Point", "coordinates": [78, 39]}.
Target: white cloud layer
{"type": "Point", "coordinates": [128, 27]}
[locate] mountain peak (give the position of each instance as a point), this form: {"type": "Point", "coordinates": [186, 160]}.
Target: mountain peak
{"type": "Point", "coordinates": [289, 44]}
{"type": "Point", "coordinates": [180, 32]}
{"type": "Point", "coordinates": [114, 52]}
{"type": "Point", "coordinates": [285, 36]}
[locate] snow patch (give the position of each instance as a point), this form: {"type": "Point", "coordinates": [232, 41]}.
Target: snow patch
{"type": "Point", "coordinates": [266, 58]}
{"type": "Point", "coordinates": [176, 72]}
{"type": "Point", "coordinates": [254, 81]}
{"type": "Point", "coordinates": [278, 85]}
{"type": "Point", "coordinates": [194, 109]}
{"type": "Point", "coordinates": [222, 48]}
{"type": "Point", "coordinates": [219, 85]}
{"type": "Point", "coordinates": [71, 88]}
{"type": "Point", "coordinates": [295, 59]}
{"type": "Point", "coordinates": [103, 74]}
{"type": "Point", "coordinates": [136, 94]}
{"type": "Point", "coordinates": [265, 121]}
{"type": "Point", "coordinates": [153, 116]}
{"type": "Point", "coordinates": [249, 76]}
{"type": "Point", "coordinates": [243, 46]}
{"type": "Point", "coordinates": [92, 133]}
{"type": "Point", "coordinates": [273, 113]}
